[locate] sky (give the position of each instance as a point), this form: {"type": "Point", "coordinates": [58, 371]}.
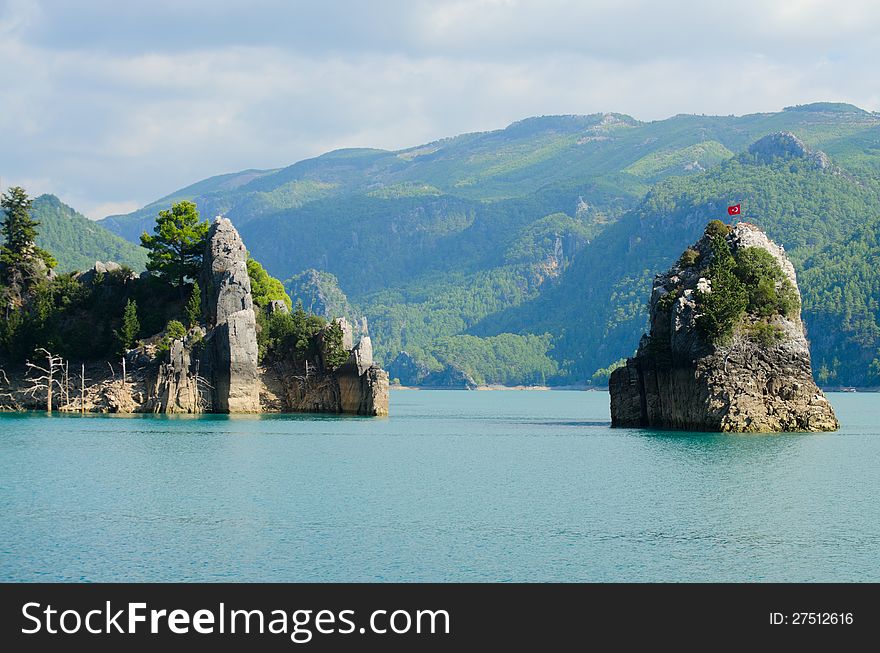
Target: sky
{"type": "Point", "coordinates": [111, 105]}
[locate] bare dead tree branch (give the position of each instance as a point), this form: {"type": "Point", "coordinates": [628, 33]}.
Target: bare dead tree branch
{"type": "Point", "coordinates": [46, 378]}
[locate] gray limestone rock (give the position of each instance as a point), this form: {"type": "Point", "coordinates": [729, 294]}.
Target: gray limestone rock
{"type": "Point", "coordinates": [277, 306]}
{"type": "Point", "coordinates": [362, 355]}
{"type": "Point", "coordinates": [450, 377]}
{"type": "Point", "coordinates": [175, 388]}
{"type": "Point", "coordinates": [785, 145]}
{"type": "Point", "coordinates": [231, 346]}
{"type": "Point", "coordinates": [678, 380]}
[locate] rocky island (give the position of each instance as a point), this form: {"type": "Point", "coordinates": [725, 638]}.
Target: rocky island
{"type": "Point", "coordinates": [726, 349]}
{"type": "Point", "coordinates": [225, 346]}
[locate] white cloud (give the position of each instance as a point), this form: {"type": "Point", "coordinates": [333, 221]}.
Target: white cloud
{"type": "Point", "coordinates": [116, 112]}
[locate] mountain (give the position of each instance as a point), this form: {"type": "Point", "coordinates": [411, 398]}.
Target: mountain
{"type": "Point", "coordinates": [469, 251]}
{"type": "Point", "coordinates": [319, 293]}
{"type": "Point", "coordinates": [841, 290]}
{"type": "Point", "coordinates": [817, 211]}
{"type": "Point", "coordinates": [77, 242]}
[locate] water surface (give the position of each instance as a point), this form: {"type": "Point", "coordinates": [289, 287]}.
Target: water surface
{"type": "Point", "coordinates": [455, 486]}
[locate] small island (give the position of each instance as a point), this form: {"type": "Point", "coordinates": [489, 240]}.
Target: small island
{"type": "Point", "coordinates": [726, 350]}
{"type": "Point", "coordinates": [204, 329]}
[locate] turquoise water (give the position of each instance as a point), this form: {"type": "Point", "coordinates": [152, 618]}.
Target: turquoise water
{"type": "Point", "coordinates": [456, 486]}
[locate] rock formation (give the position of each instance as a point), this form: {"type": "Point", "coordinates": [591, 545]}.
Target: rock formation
{"type": "Point", "coordinates": [358, 386]}
{"type": "Point", "coordinates": [407, 370]}
{"type": "Point", "coordinates": [785, 145]}
{"type": "Point", "coordinates": [214, 366]}
{"type": "Point", "coordinates": [231, 347]}
{"type": "Point", "coordinates": [410, 372]}
{"type": "Point", "coordinates": [175, 388]}
{"type": "Point", "coordinates": [450, 377]}
{"type": "Point", "coordinates": [759, 379]}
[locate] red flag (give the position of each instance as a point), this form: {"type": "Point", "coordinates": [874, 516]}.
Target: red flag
{"type": "Point", "coordinates": [733, 210]}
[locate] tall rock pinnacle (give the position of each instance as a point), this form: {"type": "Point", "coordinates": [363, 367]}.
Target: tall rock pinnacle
{"type": "Point", "coordinates": [231, 354]}
{"type": "Point", "coordinates": [727, 349]}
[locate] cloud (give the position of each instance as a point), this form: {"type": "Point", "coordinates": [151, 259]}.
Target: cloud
{"type": "Point", "coordinates": [112, 105]}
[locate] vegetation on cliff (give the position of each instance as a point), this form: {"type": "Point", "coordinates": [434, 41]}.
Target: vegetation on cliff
{"type": "Point", "coordinates": [100, 313]}
{"type": "Point", "coordinates": [747, 281]}
{"type": "Point", "coordinates": [23, 263]}
{"type": "Point", "coordinates": [175, 250]}
{"type": "Point", "coordinates": [265, 288]}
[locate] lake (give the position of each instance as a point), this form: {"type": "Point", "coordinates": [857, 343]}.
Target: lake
{"type": "Point", "coordinates": [455, 486]}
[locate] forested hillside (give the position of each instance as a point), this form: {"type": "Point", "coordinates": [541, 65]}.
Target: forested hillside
{"type": "Point", "coordinates": [77, 242]}
{"type": "Point", "coordinates": [818, 214]}
{"type": "Point", "coordinates": [546, 232]}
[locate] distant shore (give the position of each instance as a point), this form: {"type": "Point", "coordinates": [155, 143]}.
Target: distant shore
{"type": "Point", "coordinates": [580, 388]}
{"type": "Point", "coordinates": [590, 388]}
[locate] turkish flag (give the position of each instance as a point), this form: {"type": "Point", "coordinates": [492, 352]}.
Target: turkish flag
{"type": "Point", "coordinates": [733, 210]}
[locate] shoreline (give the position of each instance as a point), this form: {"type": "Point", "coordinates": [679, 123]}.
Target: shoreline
{"type": "Point", "coordinates": [588, 388]}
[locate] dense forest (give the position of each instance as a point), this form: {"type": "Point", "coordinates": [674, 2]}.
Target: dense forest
{"type": "Point", "coordinates": [77, 242]}
{"type": "Point", "coordinates": [107, 311]}
{"type": "Point", "coordinates": [526, 254]}
{"type": "Point", "coordinates": [810, 211]}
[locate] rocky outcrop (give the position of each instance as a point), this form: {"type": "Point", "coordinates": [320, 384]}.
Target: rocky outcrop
{"type": "Point", "coordinates": [407, 370]}
{"type": "Point", "coordinates": [358, 387]}
{"type": "Point", "coordinates": [363, 393]}
{"type": "Point", "coordinates": [450, 377]}
{"type": "Point", "coordinates": [99, 269]}
{"type": "Point", "coordinates": [213, 367]}
{"type": "Point", "coordinates": [361, 356]}
{"type": "Point", "coordinates": [759, 380]}
{"type": "Point", "coordinates": [230, 361]}
{"type": "Point", "coordinates": [175, 388]}
{"type": "Point", "coordinates": [785, 145]}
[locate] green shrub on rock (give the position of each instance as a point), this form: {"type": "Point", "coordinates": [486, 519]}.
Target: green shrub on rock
{"type": "Point", "coordinates": [723, 307]}
{"type": "Point", "coordinates": [689, 258]}
{"type": "Point", "coordinates": [765, 333]}
{"type": "Point", "coordinates": [770, 291]}
{"type": "Point", "coordinates": [717, 228]}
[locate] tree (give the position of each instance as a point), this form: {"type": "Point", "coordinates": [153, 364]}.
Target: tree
{"type": "Point", "coordinates": [723, 306]}
{"type": "Point", "coordinates": [336, 354]}
{"type": "Point", "coordinates": [265, 288]}
{"type": "Point", "coordinates": [131, 326]}
{"type": "Point", "coordinates": [194, 306]}
{"type": "Point", "coordinates": [19, 233]}
{"type": "Point", "coordinates": [173, 331]}
{"type": "Point", "coordinates": [175, 251]}
{"type": "Point", "coordinates": [47, 378]}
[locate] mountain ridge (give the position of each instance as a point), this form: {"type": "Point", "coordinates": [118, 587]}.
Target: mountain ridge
{"type": "Point", "coordinates": [440, 244]}
{"type": "Point", "coordinates": [77, 242]}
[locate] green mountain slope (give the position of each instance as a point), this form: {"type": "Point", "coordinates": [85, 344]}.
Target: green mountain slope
{"type": "Point", "coordinates": [509, 231]}
{"type": "Point", "coordinates": [319, 293]}
{"type": "Point", "coordinates": [598, 308]}
{"type": "Point", "coordinates": [841, 294]}
{"type": "Point", "coordinates": [608, 159]}
{"type": "Point", "coordinates": [78, 242]}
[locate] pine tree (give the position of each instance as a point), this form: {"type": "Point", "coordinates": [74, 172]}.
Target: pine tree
{"type": "Point", "coordinates": [131, 326]}
{"type": "Point", "coordinates": [194, 306]}
{"type": "Point", "coordinates": [19, 232]}
{"type": "Point", "coordinates": [336, 354]}
{"type": "Point", "coordinates": [723, 307]}
{"type": "Point", "coordinates": [175, 251]}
